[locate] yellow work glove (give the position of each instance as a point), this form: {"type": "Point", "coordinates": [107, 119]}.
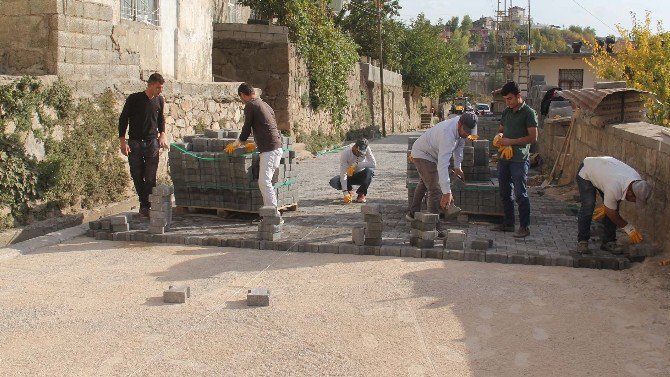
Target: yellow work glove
{"type": "Point", "coordinates": [633, 234]}
{"type": "Point", "coordinates": [497, 139]}
{"type": "Point", "coordinates": [473, 137]}
{"type": "Point", "coordinates": [507, 153]}
{"type": "Point", "coordinates": [410, 158]}
{"type": "Point", "coordinates": [599, 213]}
{"type": "Point", "coordinates": [351, 170]}
{"type": "Point", "coordinates": [347, 198]}
{"type": "Point", "coordinates": [250, 147]}
{"type": "Point", "coordinates": [230, 148]}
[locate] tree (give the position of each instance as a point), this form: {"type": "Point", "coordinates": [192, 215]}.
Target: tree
{"type": "Point", "coordinates": [466, 24]}
{"type": "Point", "coordinates": [431, 64]}
{"type": "Point", "coordinates": [327, 51]}
{"type": "Point", "coordinates": [361, 24]}
{"type": "Point", "coordinates": [642, 58]}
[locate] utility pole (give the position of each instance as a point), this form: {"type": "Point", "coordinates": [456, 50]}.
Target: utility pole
{"type": "Point", "coordinates": [381, 63]}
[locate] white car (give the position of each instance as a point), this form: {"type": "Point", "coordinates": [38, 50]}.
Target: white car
{"type": "Point", "coordinates": [484, 109]}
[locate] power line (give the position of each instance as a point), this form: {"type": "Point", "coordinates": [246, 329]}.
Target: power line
{"type": "Point", "coordinates": [594, 16]}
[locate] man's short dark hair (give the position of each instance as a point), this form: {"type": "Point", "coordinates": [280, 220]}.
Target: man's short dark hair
{"type": "Point", "coordinates": [156, 77]}
{"type": "Point", "coordinates": [246, 89]}
{"type": "Point", "coordinates": [510, 88]}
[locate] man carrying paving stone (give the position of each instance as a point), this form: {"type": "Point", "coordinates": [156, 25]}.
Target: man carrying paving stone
{"type": "Point", "coordinates": [357, 167]}
{"type": "Point", "coordinates": [615, 181]}
{"type": "Point", "coordinates": [431, 153]}
{"type": "Point", "coordinates": [260, 118]}
{"type": "Point", "coordinates": [517, 131]}
{"type": "Point", "coordinates": [142, 116]}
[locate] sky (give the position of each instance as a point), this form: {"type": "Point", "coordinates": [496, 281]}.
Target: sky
{"type": "Point", "coordinates": [605, 14]}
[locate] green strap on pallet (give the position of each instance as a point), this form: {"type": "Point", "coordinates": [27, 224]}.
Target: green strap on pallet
{"type": "Point", "coordinates": [285, 183]}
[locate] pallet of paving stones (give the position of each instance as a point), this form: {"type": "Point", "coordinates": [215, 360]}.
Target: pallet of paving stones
{"type": "Point", "coordinates": [205, 176]}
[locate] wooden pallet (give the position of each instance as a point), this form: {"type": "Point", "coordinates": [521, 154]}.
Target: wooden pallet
{"type": "Point", "coordinates": [225, 212]}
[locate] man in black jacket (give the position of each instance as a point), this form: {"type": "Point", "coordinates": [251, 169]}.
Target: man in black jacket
{"type": "Point", "coordinates": [142, 116]}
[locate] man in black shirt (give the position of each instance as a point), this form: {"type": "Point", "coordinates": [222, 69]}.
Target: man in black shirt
{"type": "Point", "coordinates": [142, 116]}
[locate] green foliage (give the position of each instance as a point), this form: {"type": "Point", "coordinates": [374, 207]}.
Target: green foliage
{"type": "Point", "coordinates": [317, 141]}
{"type": "Point", "coordinates": [548, 39]}
{"type": "Point", "coordinates": [432, 65]}
{"type": "Point", "coordinates": [18, 180]}
{"type": "Point", "coordinates": [362, 24]}
{"type": "Point", "coordinates": [642, 59]}
{"type": "Point", "coordinates": [83, 167]}
{"type": "Point", "coordinates": [328, 53]}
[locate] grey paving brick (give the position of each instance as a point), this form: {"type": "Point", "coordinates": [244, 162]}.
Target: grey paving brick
{"type": "Point", "coordinates": [312, 248]}
{"type": "Point", "coordinates": [421, 243]}
{"type": "Point", "coordinates": [372, 218]}
{"type": "Point", "coordinates": [370, 233]}
{"type": "Point", "coordinates": [212, 241]}
{"type": "Point", "coordinates": [377, 227]}
{"type": "Point", "coordinates": [272, 220]}
{"type": "Point", "coordinates": [177, 294]}
{"type": "Point", "coordinates": [371, 209]}
{"type": "Point", "coordinates": [269, 228]}
{"type": "Point", "coordinates": [427, 235]}
{"type": "Point", "coordinates": [234, 242]}
{"type": "Point", "coordinates": [389, 251]}
{"type": "Point", "coordinates": [120, 228]}
{"type": "Point", "coordinates": [269, 236]}
{"type": "Point", "coordinates": [474, 256]}
{"type": "Point", "coordinates": [481, 244]}
{"type": "Point", "coordinates": [358, 236]}
{"type": "Point", "coordinates": [537, 260]}
{"type": "Point", "coordinates": [258, 297]}
{"type": "Point", "coordinates": [373, 241]}
{"type": "Point", "coordinates": [518, 258]}
{"type": "Point", "coordinates": [426, 218]}
{"type": "Point", "coordinates": [268, 211]}
{"type": "Point", "coordinates": [329, 248]}
{"type": "Point", "coordinates": [249, 244]}
{"type": "Point", "coordinates": [156, 229]}
{"type": "Point", "coordinates": [454, 254]}
{"type": "Point", "coordinates": [348, 249]}
{"type": "Point", "coordinates": [562, 260]}
{"type": "Point", "coordinates": [369, 250]}
{"type": "Point", "coordinates": [117, 220]}
{"type": "Point", "coordinates": [423, 226]}
{"type": "Point", "coordinates": [456, 235]}
{"type": "Point", "coordinates": [493, 256]}
{"type": "Point", "coordinates": [102, 235]}
{"type": "Point", "coordinates": [410, 252]}
{"type": "Point", "coordinates": [454, 245]}
{"type": "Point", "coordinates": [432, 253]}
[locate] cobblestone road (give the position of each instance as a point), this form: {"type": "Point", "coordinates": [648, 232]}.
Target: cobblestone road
{"type": "Point", "coordinates": [322, 218]}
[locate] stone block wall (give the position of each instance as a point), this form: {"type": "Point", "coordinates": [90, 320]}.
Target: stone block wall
{"type": "Point", "coordinates": [88, 44]}
{"type": "Point", "coordinates": [641, 145]}
{"type": "Point", "coordinates": [263, 56]}
{"type": "Point", "coordinates": [27, 40]}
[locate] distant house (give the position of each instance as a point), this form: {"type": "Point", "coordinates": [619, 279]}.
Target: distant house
{"type": "Point", "coordinates": [518, 15]}
{"type": "Point", "coordinates": [566, 70]}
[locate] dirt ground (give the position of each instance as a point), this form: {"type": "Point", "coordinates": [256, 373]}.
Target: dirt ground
{"type": "Point", "coordinates": [94, 308]}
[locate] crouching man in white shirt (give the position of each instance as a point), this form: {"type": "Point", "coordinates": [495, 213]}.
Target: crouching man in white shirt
{"type": "Point", "coordinates": [357, 167]}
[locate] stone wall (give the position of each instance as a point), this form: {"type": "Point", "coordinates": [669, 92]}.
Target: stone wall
{"type": "Point", "coordinates": [27, 40]}
{"type": "Point", "coordinates": [641, 145]}
{"type": "Point", "coordinates": [263, 56]}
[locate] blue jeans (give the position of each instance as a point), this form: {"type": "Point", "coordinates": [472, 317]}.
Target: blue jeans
{"type": "Point", "coordinates": [587, 196]}
{"type": "Point", "coordinates": [362, 178]}
{"type": "Point", "coordinates": [513, 175]}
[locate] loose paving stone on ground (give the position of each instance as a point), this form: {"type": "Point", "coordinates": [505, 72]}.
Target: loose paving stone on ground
{"type": "Point", "coordinates": [322, 223]}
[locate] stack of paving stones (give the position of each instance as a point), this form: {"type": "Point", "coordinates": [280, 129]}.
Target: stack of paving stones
{"type": "Point", "coordinates": [161, 209]}
{"type": "Point", "coordinates": [205, 176]}
{"type": "Point", "coordinates": [455, 240]}
{"type": "Point", "coordinates": [105, 228]}
{"type": "Point", "coordinates": [270, 227]}
{"type": "Point", "coordinates": [480, 197]}
{"type": "Point", "coordinates": [412, 174]}
{"type": "Point", "coordinates": [475, 163]}
{"type": "Point", "coordinates": [423, 232]}
{"type": "Point", "coordinates": [371, 233]}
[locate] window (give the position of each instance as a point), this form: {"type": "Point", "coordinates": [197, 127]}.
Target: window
{"type": "Point", "coordinates": [571, 78]}
{"type": "Point", "coordinates": [141, 10]}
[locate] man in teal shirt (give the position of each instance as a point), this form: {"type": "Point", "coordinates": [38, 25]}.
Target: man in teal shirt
{"type": "Point", "coordinates": [518, 130]}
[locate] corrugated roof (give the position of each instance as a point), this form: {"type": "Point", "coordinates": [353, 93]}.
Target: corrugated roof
{"type": "Point", "coordinates": [589, 99]}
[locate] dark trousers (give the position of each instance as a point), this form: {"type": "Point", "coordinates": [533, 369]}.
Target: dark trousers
{"type": "Point", "coordinates": [363, 178]}
{"type": "Point", "coordinates": [513, 175]}
{"type": "Point", "coordinates": [143, 161]}
{"type": "Point", "coordinates": [587, 195]}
